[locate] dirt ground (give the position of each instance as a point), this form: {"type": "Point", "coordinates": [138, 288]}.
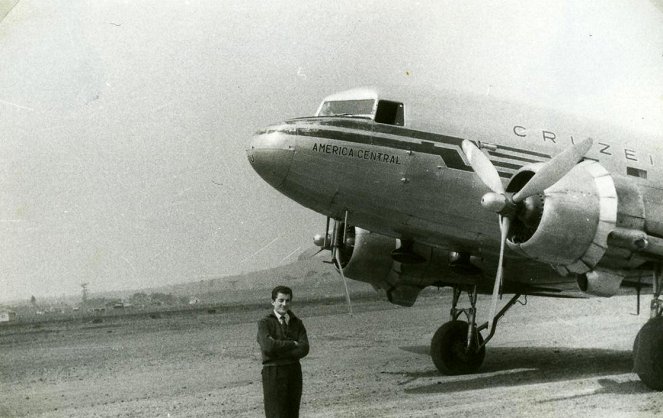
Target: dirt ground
{"type": "Point", "coordinates": [549, 358]}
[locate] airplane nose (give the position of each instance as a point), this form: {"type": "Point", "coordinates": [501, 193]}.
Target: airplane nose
{"type": "Point", "coordinates": [270, 153]}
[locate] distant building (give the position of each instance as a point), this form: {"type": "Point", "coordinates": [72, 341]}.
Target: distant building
{"type": "Point", "coordinates": [7, 316]}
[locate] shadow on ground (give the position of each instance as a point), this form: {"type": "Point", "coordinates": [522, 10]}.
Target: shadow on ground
{"type": "Point", "coordinates": [514, 366]}
{"type": "Point", "coordinates": [610, 387]}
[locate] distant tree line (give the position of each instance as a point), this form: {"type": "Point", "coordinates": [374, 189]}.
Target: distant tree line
{"type": "Point", "coordinates": [138, 299]}
{"type": "Point", "coordinates": [157, 298]}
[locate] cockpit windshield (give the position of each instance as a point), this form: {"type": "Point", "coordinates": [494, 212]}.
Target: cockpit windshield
{"type": "Point", "coordinates": [360, 108]}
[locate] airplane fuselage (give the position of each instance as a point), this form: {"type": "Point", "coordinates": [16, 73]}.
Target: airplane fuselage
{"type": "Point", "coordinates": [405, 178]}
{"type": "Point", "coordinates": [409, 178]}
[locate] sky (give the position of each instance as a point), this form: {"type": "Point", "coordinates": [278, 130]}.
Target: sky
{"type": "Point", "coordinates": [124, 124]}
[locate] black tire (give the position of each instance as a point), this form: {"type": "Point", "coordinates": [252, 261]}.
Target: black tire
{"type": "Point", "coordinates": [648, 354]}
{"type": "Point", "coordinates": [448, 350]}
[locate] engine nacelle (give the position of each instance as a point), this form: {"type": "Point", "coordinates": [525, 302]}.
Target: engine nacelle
{"type": "Point", "coordinates": [370, 260]}
{"type": "Point", "coordinates": [574, 219]}
{"type": "Point", "coordinates": [600, 282]}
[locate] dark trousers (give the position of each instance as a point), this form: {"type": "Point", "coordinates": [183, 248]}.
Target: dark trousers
{"type": "Point", "coordinates": [282, 390]}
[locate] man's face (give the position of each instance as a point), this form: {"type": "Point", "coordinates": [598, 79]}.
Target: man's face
{"type": "Point", "coordinates": [281, 304]}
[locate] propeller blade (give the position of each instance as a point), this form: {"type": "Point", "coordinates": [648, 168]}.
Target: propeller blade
{"type": "Point", "coordinates": [345, 282]}
{"type": "Point", "coordinates": [483, 167]}
{"type": "Point", "coordinates": [505, 223]}
{"type": "Point", "coordinates": [309, 253]}
{"type": "Point", "coordinates": [554, 170]}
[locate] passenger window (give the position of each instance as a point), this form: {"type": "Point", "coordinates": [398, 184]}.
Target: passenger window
{"type": "Point", "coordinates": [390, 113]}
{"type": "Point", "coordinates": [636, 172]}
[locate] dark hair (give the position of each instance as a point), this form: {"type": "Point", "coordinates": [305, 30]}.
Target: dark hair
{"type": "Point", "coordinates": [281, 289]}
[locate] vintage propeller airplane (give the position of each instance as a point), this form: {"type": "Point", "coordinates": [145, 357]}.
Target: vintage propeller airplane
{"type": "Point", "coordinates": [427, 188]}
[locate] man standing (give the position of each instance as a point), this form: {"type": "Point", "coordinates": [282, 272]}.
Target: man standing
{"type": "Point", "coordinates": [283, 341]}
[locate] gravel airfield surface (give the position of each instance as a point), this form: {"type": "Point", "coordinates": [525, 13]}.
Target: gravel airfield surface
{"type": "Point", "coordinates": [548, 358]}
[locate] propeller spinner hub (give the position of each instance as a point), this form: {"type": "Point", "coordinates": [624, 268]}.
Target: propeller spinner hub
{"type": "Point", "coordinates": [501, 203]}
{"type": "Point", "coordinates": [494, 202]}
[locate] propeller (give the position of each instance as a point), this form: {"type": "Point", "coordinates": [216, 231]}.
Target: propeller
{"type": "Point", "coordinates": [345, 282]}
{"type": "Point", "coordinates": [554, 170]}
{"type": "Point", "coordinates": [506, 205]}
{"type": "Point", "coordinates": [310, 253]}
{"type": "Point", "coordinates": [339, 240]}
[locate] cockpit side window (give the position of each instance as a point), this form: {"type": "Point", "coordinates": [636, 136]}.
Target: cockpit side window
{"type": "Point", "coordinates": [360, 108]}
{"type": "Point", "coordinates": [390, 112]}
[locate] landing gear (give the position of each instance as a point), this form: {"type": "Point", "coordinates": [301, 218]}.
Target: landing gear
{"type": "Point", "coordinates": [648, 345]}
{"type": "Point", "coordinates": [450, 352]}
{"type": "Point", "coordinates": [457, 346]}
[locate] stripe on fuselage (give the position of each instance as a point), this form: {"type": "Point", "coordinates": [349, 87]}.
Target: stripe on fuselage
{"type": "Point", "coordinates": [364, 132]}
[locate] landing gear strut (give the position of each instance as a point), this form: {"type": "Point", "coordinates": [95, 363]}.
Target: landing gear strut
{"type": "Point", "coordinates": [458, 346]}
{"type": "Point", "coordinates": [648, 345]}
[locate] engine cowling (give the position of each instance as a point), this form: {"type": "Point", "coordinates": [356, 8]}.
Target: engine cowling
{"type": "Point", "coordinates": [568, 225]}
{"type": "Point", "coordinates": [370, 259]}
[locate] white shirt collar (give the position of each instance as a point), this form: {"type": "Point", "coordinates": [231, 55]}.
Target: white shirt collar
{"type": "Point", "coordinates": [286, 317]}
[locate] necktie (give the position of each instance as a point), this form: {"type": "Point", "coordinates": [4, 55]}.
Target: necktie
{"type": "Point", "coordinates": [284, 324]}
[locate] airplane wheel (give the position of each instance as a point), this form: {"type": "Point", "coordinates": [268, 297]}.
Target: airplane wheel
{"type": "Point", "coordinates": [648, 354]}
{"type": "Point", "coordinates": [449, 353]}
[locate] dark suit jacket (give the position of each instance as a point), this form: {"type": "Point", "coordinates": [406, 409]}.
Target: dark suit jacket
{"type": "Point", "coordinates": [277, 342]}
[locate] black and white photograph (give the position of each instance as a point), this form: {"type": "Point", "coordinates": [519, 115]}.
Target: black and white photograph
{"type": "Point", "coordinates": [225, 208]}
